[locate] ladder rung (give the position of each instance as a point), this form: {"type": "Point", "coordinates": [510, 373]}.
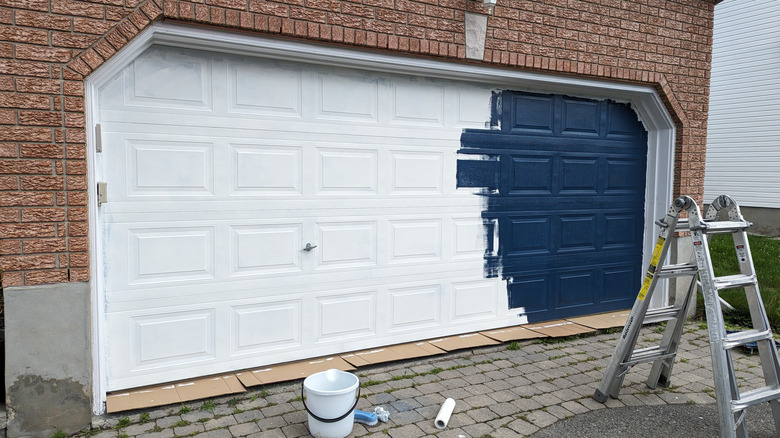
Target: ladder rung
{"type": "Point", "coordinates": [682, 225]}
{"type": "Point", "coordinates": [745, 337]}
{"type": "Point", "coordinates": [754, 397]}
{"type": "Point", "coordinates": [732, 281]}
{"type": "Point", "coordinates": [678, 270]}
{"type": "Point", "coordinates": [649, 354]}
{"type": "Point", "coordinates": [720, 227]}
{"type": "Point", "coordinates": [662, 314]}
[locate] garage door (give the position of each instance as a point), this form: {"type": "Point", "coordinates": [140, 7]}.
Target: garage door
{"type": "Point", "coordinates": [261, 211]}
{"type": "Point", "coordinates": [566, 180]}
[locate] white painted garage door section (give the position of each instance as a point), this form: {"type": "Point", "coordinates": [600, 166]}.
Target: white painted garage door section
{"type": "Point", "coordinates": [221, 169]}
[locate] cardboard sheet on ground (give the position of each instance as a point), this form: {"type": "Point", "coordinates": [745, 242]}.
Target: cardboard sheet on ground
{"type": "Point", "coordinates": [172, 393]}
{"type": "Point", "coordinates": [469, 340]}
{"type": "Point", "coordinates": [292, 370]}
{"type": "Point", "coordinates": [209, 387]}
{"type": "Point", "coordinates": [142, 398]}
{"type": "Point", "coordinates": [559, 328]}
{"type": "Point", "coordinates": [391, 353]}
{"type": "Point", "coordinates": [516, 333]}
{"type": "Point", "coordinates": [602, 320]}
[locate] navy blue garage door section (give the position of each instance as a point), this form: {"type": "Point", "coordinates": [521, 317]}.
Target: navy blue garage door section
{"type": "Point", "coordinates": [564, 180]}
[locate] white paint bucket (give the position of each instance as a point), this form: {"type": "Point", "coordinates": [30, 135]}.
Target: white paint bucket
{"type": "Point", "coordinates": [330, 398]}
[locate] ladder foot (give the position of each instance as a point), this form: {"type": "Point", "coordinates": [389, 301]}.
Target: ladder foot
{"type": "Point", "coordinates": [600, 396]}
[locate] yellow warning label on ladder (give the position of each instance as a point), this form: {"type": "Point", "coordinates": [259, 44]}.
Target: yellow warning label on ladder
{"type": "Point", "coordinates": [659, 245]}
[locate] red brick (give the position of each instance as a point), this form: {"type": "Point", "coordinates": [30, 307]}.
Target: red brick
{"type": "Point", "coordinates": [22, 199]}
{"type": "Point", "coordinates": [10, 166]}
{"type": "Point", "coordinates": [77, 229]}
{"type": "Point", "coordinates": [41, 183]}
{"type": "Point", "coordinates": [79, 260]}
{"type": "Point", "coordinates": [76, 167]}
{"type": "Point", "coordinates": [49, 214]}
{"type": "Point", "coordinates": [8, 182]}
{"type": "Point", "coordinates": [38, 246]}
{"type": "Point", "coordinates": [42, 53]}
{"type": "Point", "coordinates": [27, 230]}
{"type": "Point", "coordinates": [231, 4]}
{"type": "Point", "coordinates": [40, 118]}
{"type": "Point", "coordinates": [49, 276]}
{"type": "Point", "coordinates": [24, 68]}
{"type": "Point", "coordinates": [79, 275]}
{"type": "Point", "coordinates": [77, 244]}
{"type": "Point", "coordinates": [10, 247]}
{"type": "Point", "coordinates": [91, 26]}
{"type": "Point", "coordinates": [41, 151]}
{"type": "Point", "coordinates": [77, 8]}
{"type": "Point", "coordinates": [77, 198]}
{"type": "Point", "coordinates": [201, 13]}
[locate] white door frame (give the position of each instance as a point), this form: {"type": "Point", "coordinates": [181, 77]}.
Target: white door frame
{"type": "Point", "coordinates": [644, 100]}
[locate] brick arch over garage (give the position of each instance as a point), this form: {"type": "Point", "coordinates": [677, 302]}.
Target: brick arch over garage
{"type": "Point", "coordinates": [270, 20]}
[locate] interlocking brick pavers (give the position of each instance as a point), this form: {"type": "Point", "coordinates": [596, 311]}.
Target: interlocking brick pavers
{"type": "Point", "coordinates": [498, 392]}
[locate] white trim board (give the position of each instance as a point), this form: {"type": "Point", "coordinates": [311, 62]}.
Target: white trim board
{"type": "Point", "coordinates": [644, 99]}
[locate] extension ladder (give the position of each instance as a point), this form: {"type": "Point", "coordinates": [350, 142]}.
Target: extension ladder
{"type": "Point", "coordinates": [731, 403]}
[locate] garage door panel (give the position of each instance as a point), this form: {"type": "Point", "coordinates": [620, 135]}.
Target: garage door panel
{"type": "Point", "coordinates": [580, 117]}
{"type": "Point", "coordinates": [265, 249]}
{"type": "Point", "coordinates": [263, 170]}
{"type": "Point", "coordinates": [189, 79]}
{"type": "Point", "coordinates": [616, 276]}
{"type": "Point", "coordinates": [530, 291]}
{"type": "Point", "coordinates": [530, 235]}
{"type": "Point", "coordinates": [575, 288]}
{"type": "Point", "coordinates": [474, 300]}
{"type": "Point", "coordinates": [414, 308]}
{"type": "Point", "coordinates": [417, 102]}
{"type": "Point", "coordinates": [471, 106]}
{"type": "Point", "coordinates": [346, 96]}
{"type": "Point", "coordinates": [167, 168]}
{"type": "Point", "coordinates": [621, 124]}
{"type": "Point", "coordinates": [346, 245]}
{"type": "Point", "coordinates": [578, 232]}
{"type": "Point", "coordinates": [415, 240]}
{"type": "Point", "coordinates": [346, 171]}
{"type": "Point", "coordinates": [161, 255]}
{"type": "Point", "coordinates": [579, 176]}
{"type": "Point", "coordinates": [531, 175]}
{"type": "Point", "coordinates": [470, 237]}
{"type": "Point", "coordinates": [416, 172]}
{"type": "Point", "coordinates": [537, 118]}
{"type": "Point", "coordinates": [346, 316]}
{"type": "Point", "coordinates": [622, 230]}
{"type": "Point", "coordinates": [271, 89]}
{"type": "Point", "coordinates": [624, 175]}
{"type": "Point", "coordinates": [265, 327]}
{"type": "Point", "coordinates": [166, 340]}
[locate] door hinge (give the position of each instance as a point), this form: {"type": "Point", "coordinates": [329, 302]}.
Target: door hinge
{"type": "Point", "coordinates": [102, 193]}
{"type": "Point", "coordinates": [98, 139]}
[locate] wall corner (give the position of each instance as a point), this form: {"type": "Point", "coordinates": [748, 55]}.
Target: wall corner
{"type": "Point", "coordinates": [48, 345]}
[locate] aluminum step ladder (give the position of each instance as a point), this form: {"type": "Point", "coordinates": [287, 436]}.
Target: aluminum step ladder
{"type": "Point", "coordinates": [731, 403]}
{"type": "Point", "coordinates": [663, 354]}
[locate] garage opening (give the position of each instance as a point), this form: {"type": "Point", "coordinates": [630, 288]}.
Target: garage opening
{"type": "Point", "coordinates": [225, 156]}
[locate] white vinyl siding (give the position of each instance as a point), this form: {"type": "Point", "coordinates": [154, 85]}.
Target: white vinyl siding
{"type": "Point", "coordinates": [743, 134]}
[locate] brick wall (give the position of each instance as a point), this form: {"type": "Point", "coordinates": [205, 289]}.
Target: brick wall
{"type": "Point", "coordinates": [47, 48]}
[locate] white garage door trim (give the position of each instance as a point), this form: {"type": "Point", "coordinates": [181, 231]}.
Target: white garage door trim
{"type": "Point", "coordinates": [661, 132]}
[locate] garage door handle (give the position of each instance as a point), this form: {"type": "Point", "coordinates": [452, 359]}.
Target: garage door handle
{"type": "Point", "coordinates": [309, 247]}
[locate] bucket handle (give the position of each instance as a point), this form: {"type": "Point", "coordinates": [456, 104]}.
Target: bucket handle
{"type": "Point", "coordinates": [331, 420]}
